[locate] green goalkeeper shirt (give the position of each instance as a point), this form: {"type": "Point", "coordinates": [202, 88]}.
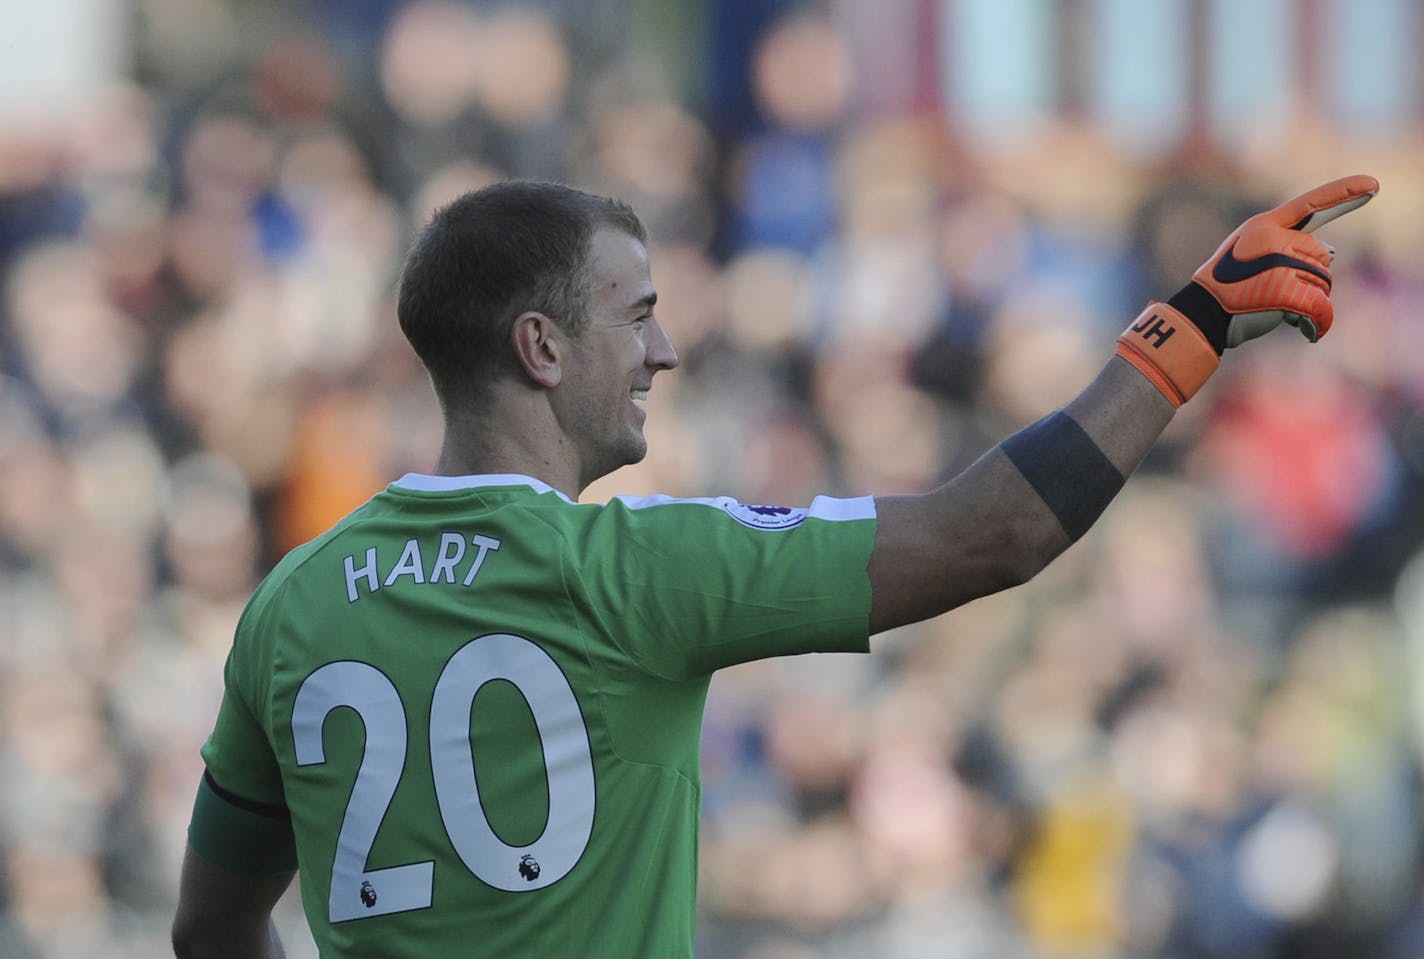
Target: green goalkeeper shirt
{"type": "Point", "coordinates": [480, 704]}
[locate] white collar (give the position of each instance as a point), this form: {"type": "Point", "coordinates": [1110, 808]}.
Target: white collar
{"type": "Point", "coordinates": [428, 483]}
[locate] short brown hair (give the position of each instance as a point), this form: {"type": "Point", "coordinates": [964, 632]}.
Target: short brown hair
{"type": "Point", "coordinates": [488, 257]}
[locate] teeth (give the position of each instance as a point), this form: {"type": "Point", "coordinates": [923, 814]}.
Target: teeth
{"type": "Point", "coordinates": [640, 394]}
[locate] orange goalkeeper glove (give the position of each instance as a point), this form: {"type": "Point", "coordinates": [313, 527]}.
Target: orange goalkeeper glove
{"type": "Point", "coordinates": [1268, 271]}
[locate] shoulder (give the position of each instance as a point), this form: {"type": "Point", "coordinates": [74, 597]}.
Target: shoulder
{"type": "Point", "coordinates": [291, 566]}
{"type": "Point", "coordinates": [719, 510]}
{"type": "Point", "coordinates": [654, 535]}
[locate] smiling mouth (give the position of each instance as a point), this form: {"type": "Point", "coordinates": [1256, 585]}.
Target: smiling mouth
{"type": "Point", "coordinates": [639, 394]}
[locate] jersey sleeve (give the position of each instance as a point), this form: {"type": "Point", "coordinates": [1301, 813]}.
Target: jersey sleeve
{"type": "Point", "coordinates": [240, 817]}
{"type": "Point", "coordinates": [687, 587]}
{"type": "Point", "coordinates": [238, 753]}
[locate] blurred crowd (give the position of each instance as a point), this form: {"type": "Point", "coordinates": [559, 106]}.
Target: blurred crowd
{"type": "Point", "coordinates": [1195, 736]}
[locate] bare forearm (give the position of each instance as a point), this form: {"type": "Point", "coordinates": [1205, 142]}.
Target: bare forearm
{"type": "Point", "coordinates": [1123, 413]}
{"type": "Point", "coordinates": [1022, 503]}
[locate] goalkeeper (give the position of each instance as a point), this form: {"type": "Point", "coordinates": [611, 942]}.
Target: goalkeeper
{"type": "Point", "coordinates": [468, 715]}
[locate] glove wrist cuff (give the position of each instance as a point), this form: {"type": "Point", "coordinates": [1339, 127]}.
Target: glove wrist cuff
{"type": "Point", "coordinates": [1170, 350]}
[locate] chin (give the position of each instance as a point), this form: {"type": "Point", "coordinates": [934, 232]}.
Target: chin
{"type": "Point", "coordinates": [635, 452]}
{"type": "Point", "coordinates": [627, 453]}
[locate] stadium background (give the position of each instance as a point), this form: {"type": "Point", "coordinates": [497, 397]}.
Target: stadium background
{"type": "Point", "coordinates": [885, 234]}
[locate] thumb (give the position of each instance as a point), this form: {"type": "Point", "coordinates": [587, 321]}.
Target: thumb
{"type": "Point", "coordinates": [1314, 208]}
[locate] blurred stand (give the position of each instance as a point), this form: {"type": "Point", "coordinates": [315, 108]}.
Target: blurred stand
{"type": "Point", "coordinates": [885, 235]}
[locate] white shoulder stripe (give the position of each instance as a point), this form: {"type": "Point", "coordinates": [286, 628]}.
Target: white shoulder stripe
{"type": "Point", "coordinates": [833, 507]}
{"type": "Point", "coordinates": [822, 507]}
{"type": "Point", "coordinates": [766, 517]}
{"type": "Point", "coordinates": [428, 483]}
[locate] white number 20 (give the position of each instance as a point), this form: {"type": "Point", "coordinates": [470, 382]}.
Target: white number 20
{"type": "Point", "coordinates": [358, 893]}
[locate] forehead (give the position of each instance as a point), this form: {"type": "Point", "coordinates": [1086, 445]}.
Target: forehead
{"type": "Point", "coordinates": [619, 271]}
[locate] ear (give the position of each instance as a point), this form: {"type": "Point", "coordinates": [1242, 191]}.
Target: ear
{"type": "Point", "coordinates": [539, 346]}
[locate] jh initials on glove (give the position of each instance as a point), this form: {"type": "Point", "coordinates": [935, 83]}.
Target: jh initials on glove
{"type": "Point", "coordinates": [1270, 270]}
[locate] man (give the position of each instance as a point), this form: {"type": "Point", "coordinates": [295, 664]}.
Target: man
{"type": "Point", "coordinates": [468, 715]}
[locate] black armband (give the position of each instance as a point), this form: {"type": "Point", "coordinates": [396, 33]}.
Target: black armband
{"type": "Point", "coordinates": [1066, 469]}
{"type": "Point", "coordinates": [239, 834]}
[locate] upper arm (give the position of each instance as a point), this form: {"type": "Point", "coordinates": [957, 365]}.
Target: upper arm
{"type": "Point", "coordinates": [224, 913]}
{"type": "Point", "coordinates": [983, 531]}
{"type": "Point", "coordinates": [241, 852]}
{"type": "Point", "coordinates": [692, 586]}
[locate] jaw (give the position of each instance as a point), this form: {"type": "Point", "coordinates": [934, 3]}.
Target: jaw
{"type": "Point", "coordinates": [628, 446]}
{"type": "Point", "coordinates": [633, 442]}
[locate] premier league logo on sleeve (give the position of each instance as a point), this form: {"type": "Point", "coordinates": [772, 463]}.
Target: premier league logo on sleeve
{"type": "Point", "coordinates": [765, 517]}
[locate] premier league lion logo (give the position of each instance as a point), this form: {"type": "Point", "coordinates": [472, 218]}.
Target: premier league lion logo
{"type": "Point", "coordinates": [529, 867]}
{"type": "Point", "coordinates": [764, 517]}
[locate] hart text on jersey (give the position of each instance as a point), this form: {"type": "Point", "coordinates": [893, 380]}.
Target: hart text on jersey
{"type": "Point", "coordinates": [452, 562]}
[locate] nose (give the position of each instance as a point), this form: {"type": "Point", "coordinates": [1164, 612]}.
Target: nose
{"type": "Point", "coordinates": [660, 353]}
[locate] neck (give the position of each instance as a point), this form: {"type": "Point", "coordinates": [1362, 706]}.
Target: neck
{"type": "Point", "coordinates": [524, 445]}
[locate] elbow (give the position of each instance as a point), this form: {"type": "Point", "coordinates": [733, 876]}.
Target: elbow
{"type": "Point", "coordinates": [190, 939]}
{"type": "Point", "coordinates": [190, 944]}
{"type": "Point", "coordinates": [187, 943]}
{"type": "Point", "coordinates": [929, 561]}
{"type": "Point", "coordinates": [1028, 549]}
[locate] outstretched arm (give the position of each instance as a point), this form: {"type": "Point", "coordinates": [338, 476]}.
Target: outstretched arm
{"type": "Point", "coordinates": [1018, 506]}
{"type": "Point", "coordinates": [989, 528]}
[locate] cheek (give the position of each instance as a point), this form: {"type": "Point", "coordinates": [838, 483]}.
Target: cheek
{"type": "Point", "coordinates": [638, 350]}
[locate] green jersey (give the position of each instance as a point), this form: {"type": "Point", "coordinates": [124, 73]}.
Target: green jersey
{"type": "Point", "coordinates": [480, 703]}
